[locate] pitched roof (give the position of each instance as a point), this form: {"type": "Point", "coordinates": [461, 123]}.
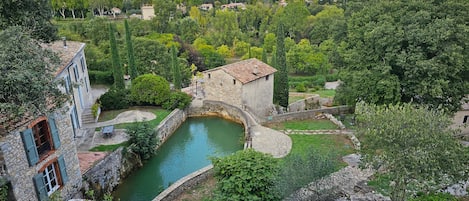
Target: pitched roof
{"type": "Point", "coordinates": [66, 54]}
{"type": "Point", "coordinates": [247, 70]}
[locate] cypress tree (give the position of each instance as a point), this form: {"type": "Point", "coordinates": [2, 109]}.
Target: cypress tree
{"type": "Point", "coordinates": [116, 63]}
{"type": "Point", "coordinates": [264, 55]}
{"type": "Point", "coordinates": [176, 68]}
{"type": "Point", "coordinates": [130, 52]}
{"type": "Point", "coordinates": [281, 79]}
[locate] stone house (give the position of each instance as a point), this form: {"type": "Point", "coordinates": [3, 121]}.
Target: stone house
{"type": "Point", "coordinates": [148, 12]}
{"type": "Point", "coordinates": [461, 119]}
{"type": "Point", "coordinates": [247, 84]}
{"type": "Point", "coordinates": [39, 156]}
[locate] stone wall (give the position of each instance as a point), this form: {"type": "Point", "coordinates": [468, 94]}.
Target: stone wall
{"type": "Point", "coordinates": [258, 95]}
{"type": "Point", "coordinates": [187, 182]}
{"type": "Point", "coordinates": [21, 174]}
{"type": "Point", "coordinates": [308, 114]}
{"type": "Point", "coordinates": [172, 122]}
{"type": "Point", "coordinates": [308, 103]}
{"type": "Point", "coordinates": [220, 86]}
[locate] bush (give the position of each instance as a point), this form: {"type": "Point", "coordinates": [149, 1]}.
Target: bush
{"type": "Point", "coordinates": [94, 109]}
{"type": "Point", "coordinates": [300, 87]}
{"type": "Point", "coordinates": [245, 175]}
{"type": "Point", "coordinates": [114, 99]}
{"type": "Point", "coordinates": [142, 139]}
{"type": "Point", "coordinates": [298, 171]}
{"type": "Point", "coordinates": [332, 77]}
{"type": "Point", "coordinates": [101, 77]}
{"type": "Point", "coordinates": [149, 89]}
{"type": "Point", "coordinates": [177, 99]}
{"type": "Point", "coordinates": [319, 80]}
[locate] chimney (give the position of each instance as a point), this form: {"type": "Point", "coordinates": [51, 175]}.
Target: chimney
{"type": "Point", "coordinates": [64, 39]}
{"type": "Point", "coordinates": [256, 70]}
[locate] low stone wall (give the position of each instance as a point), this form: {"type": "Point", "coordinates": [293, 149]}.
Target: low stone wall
{"type": "Point", "coordinates": [187, 182]}
{"type": "Point", "coordinates": [104, 176]}
{"type": "Point", "coordinates": [172, 122]}
{"type": "Point", "coordinates": [308, 114]}
{"type": "Point", "coordinates": [226, 111]}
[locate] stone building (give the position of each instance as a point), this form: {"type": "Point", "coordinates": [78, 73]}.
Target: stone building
{"type": "Point", "coordinates": [39, 156]}
{"type": "Point", "coordinates": [148, 12]}
{"type": "Point", "coordinates": [247, 84]}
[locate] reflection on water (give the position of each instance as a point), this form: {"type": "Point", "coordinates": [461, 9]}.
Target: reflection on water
{"type": "Point", "coordinates": [186, 151]}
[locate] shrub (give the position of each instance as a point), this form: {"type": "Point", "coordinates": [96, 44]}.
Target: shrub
{"type": "Point", "coordinates": [177, 99]}
{"type": "Point", "coordinates": [114, 99]}
{"type": "Point", "coordinates": [319, 80]}
{"type": "Point", "coordinates": [142, 139]}
{"type": "Point", "coordinates": [332, 77]}
{"type": "Point", "coordinates": [245, 175]}
{"type": "Point", "coordinates": [94, 109]}
{"type": "Point", "coordinates": [101, 77]}
{"type": "Point", "coordinates": [300, 87]}
{"type": "Point", "coordinates": [149, 89]}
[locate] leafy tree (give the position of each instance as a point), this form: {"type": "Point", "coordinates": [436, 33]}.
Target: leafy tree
{"type": "Point", "coordinates": [225, 51]}
{"type": "Point", "coordinates": [269, 42]}
{"type": "Point", "coordinates": [294, 18]}
{"type": "Point", "coordinates": [254, 52]}
{"type": "Point", "coordinates": [421, 45]}
{"type": "Point", "coordinates": [95, 30]}
{"type": "Point", "coordinates": [116, 62]}
{"type": "Point", "coordinates": [175, 66]}
{"type": "Point", "coordinates": [149, 89]}
{"type": "Point", "coordinates": [165, 12]}
{"type": "Point", "coordinates": [281, 79]}
{"type": "Point", "coordinates": [226, 28]}
{"type": "Point", "coordinates": [99, 5]}
{"type": "Point", "coordinates": [240, 48]}
{"type": "Point", "coordinates": [177, 99]}
{"type": "Point", "coordinates": [115, 99]}
{"type": "Point", "coordinates": [328, 24]}
{"type": "Point", "coordinates": [142, 139]}
{"type": "Point", "coordinates": [59, 5]}
{"type": "Point", "coordinates": [188, 29]}
{"type": "Point", "coordinates": [413, 144]}
{"type": "Point", "coordinates": [34, 15]}
{"type": "Point", "coordinates": [245, 175]}
{"type": "Point", "coordinates": [130, 52]}
{"type": "Point", "coordinates": [151, 57]}
{"type": "Point", "coordinates": [29, 87]}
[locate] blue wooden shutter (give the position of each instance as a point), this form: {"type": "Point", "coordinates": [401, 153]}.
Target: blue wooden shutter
{"type": "Point", "coordinates": [63, 169]}
{"type": "Point", "coordinates": [40, 187]}
{"type": "Point", "coordinates": [30, 146]}
{"type": "Point", "coordinates": [54, 132]}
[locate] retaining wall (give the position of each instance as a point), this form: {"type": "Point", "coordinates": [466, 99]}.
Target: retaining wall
{"type": "Point", "coordinates": [172, 122]}
{"type": "Point", "coordinates": [308, 114]}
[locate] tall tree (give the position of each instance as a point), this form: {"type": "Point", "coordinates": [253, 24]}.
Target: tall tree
{"type": "Point", "coordinates": [29, 87]}
{"type": "Point", "coordinates": [35, 15]}
{"type": "Point", "coordinates": [130, 52]}
{"type": "Point", "coordinates": [420, 48]}
{"type": "Point", "coordinates": [116, 62]}
{"type": "Point", "coordinates": [414, 145]}
{"type": "Point", "coordinates": [176, 68]}
{"type": "Point", "coordinates": [281, 92]}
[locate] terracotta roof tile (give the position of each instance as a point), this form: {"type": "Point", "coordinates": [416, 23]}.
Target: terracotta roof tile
{"type": "Point", "coordinates": [247, 70]}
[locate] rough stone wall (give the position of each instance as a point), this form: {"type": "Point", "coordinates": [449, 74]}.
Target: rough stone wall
{"type": "Point", "coordinates": [21, 174]}
{"type": "Point", "coordinates": [220, 87]}
{"type": "Point", "coordinates": [258, 95]}
{"type": "Point", "coordinates": [187, 182]}
{"type": "Point", "coordinates": [172, 122]}
{"type": "Point", "coordinates": [308, 114]}
{"type": "Point", "coordinates": [458, 121]}
{"type": "Point", "coordinates": [309, 103]}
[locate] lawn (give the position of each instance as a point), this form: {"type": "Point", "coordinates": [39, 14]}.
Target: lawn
{"type": "Point", "coordinates": [304, 125]}
{"type": "Point", "coordinates": [326, 143]}
{"type": "Point", "coordinates": [325, 93]}
{"type": "Point", "coordinates": [109, 148]}
{"type": "Point", "coordinates": [160, 115]}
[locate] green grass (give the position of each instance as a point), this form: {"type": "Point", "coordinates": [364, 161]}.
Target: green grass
{"type": "Point", "coordinates": [292, 99]}
{"type": "Point", "coordinates": [111, 114]}
{"type": "Point", "coordinates": [325, 93]}
{"type": "Point", "coordinates": [380, 182]}
{"type": "Point", "coordinates": [160, 115]}
{"type": "Point", "coordinates": [323, 143]}
{"type": "Point", "coordinates": [109, 148]}
{"type": "Point", "coordinates": [304, 125]}
{"type": "Point", "coordinates": [347, 121]}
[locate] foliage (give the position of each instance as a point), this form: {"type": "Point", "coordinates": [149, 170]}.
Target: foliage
{"type": "Point", "coordinates": [33, 15]}
{"type": "Point", "coordinates": [300, 87]}
{"type": "Point", "coordinates": [225, 25]}
{"type": "Point", "coordinates": [435, 197]}
{"type": "Point", "coordinates": [306, 125]}
{"type": "Point", "coordinates": [109, 147]}
{"type": "Point", "coordinates": [176, 68]}
{"type": "Point", "coordinates": [160, 116]}
{"type": "Point", "coordinates": [115, 99]}
{"type": "Point", "coordinates": [3, 191]}
{"type": "Point", "coordinates": [149, 89]}
{"type": "Point", "coordinates": [116, 62]}
{"type": "Point", "coordinates": [269, 42]}
{"type": "Point", "coordinates": [94, 109]}
{"type": "Point", "coordinates": [142, 139]}
{"type": "Point", "coordinates": [409, 51]}
{"type": "Point", "coordinates": [151, 56]}
{"type": "Point", "coordinates": [403, 139]}
{"type": "Point", "coordinates": [28, 79]}
{"type": "Point", "coordinates": [225, 51]}
{"type": "Point", "coordinates": [130, 52]}
{"type": "Point", "coordinates": [281, 79]}
{"type": "Point", "coordinates": [299, 170]}
{"type": "Point", "coordinates": [245, 175]}
{"type": "Point", "coordinates": [101, 77]}
{"type": "Point", "coordinates": [177, 99]}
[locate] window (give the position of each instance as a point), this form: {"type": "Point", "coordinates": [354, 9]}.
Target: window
{"type": "Point", "coordinates": [82, 63]}
{"type": "Point", "coordinates": [465, 119]}
{"type": "Point", "coordinates": [50, 178]}
{"type": "Point", "coordinates": [234, 81]}
{"type": "Point", "coordinates": [75, 70]}
{"type": "Point", "coordinates": [267, 77]}
{"type": "Point", "coordinates": [68, 84]}
{"type": "Point", "coordinates": [40, 139]}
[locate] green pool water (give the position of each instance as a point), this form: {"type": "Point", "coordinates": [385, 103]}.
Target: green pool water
{"type": "Point", "coordinates": [186, 151]}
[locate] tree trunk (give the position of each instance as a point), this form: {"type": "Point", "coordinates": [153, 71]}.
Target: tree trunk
{"type": "Point", "coordinates": [62, 12]}
{"type": "Point", "coordinates": [73, 13]}
{"type": "Point", "coordinates": [82, 14]}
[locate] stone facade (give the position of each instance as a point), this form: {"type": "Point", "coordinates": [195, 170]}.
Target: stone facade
{"type": "Point", "coordinates": [172, 122]}
{"type": "Point", "coordinates": [20, 173]}
{"type": "Point", "coordinates": [248, 83]}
